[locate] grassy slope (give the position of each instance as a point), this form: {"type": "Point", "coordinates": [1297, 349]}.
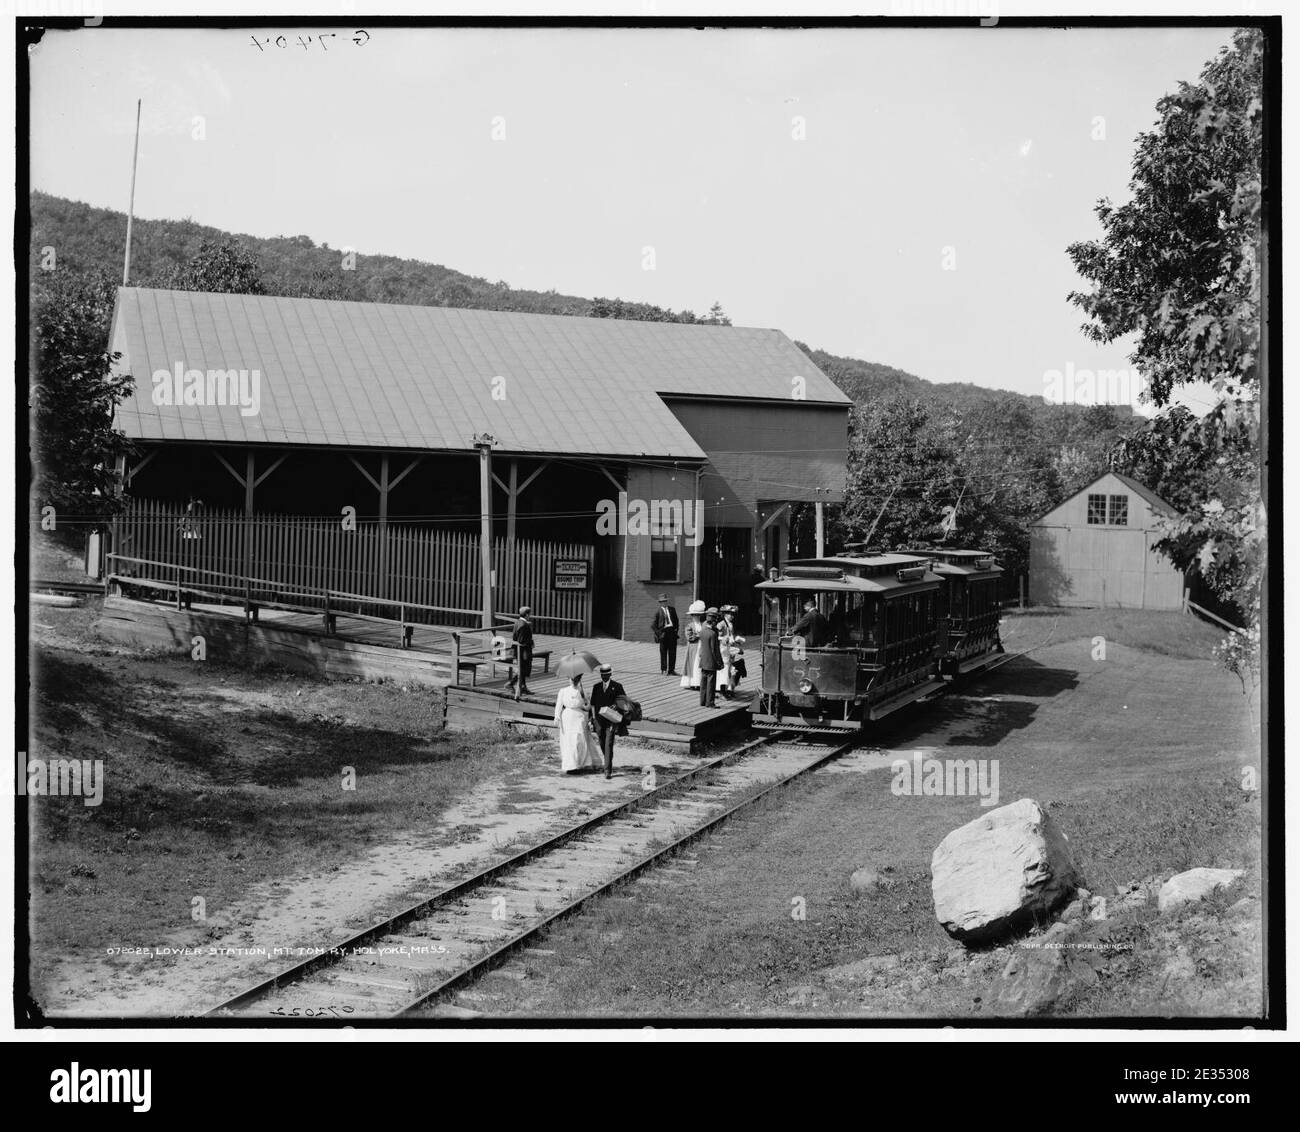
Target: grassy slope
{"type": "Point", "coordinates": [1141, 775]}
{"type": "Point", "coordinates": [217, 778]}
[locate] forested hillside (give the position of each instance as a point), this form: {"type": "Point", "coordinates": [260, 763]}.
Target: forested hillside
{"type": "Point", "coordinates": [956, 462]}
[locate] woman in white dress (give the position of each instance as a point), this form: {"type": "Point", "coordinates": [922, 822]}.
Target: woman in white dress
{"type": "Point", "coordinates": [691, 667]}
{"type": "Point", "coordinates": [578, 750]}
{"type": "Point", "coordinates": [723, 628]}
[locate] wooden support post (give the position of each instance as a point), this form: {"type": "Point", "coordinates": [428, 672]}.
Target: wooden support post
{"type": "Point", "coordinates": [512, 511]}
{"type": "Point", "coordinates": [484, 444]}
{"type": "Point", "coordinates": [250, 485]}
{"type": "Point", "coordinates": [383, 589]}
{"type": "Point", "coordinates": [699, 538]}
{"type": "Point", "coordinates": [115, 530]}
{"type": "Point", "coordinates": [821, 530]}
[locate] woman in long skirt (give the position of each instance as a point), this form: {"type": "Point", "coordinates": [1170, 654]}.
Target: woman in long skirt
{"type": "Point", "coordinates": [723, 628]}
{"type": "Point", "coordinates": [691, 667]}
{"type": "Point", "coordinates": [578, 750]}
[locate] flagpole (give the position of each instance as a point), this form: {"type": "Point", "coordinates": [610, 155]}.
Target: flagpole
{"type": "Point", "coordinates": [130, 215]}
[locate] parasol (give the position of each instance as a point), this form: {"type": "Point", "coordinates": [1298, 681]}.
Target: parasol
{"type": "Point", "coordinates": [576, 664]}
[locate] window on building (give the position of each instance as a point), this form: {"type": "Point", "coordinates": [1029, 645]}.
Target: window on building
{"type": "Point", "coordinates": [1119, 510]}
{"type": "Point", "coordinates": [663, 558]}
{"type": "Point", "coordinates": [1096, 509]}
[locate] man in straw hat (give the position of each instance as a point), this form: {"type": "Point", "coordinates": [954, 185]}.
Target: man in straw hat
{"type": "Point", "coordinates": [604, 696]}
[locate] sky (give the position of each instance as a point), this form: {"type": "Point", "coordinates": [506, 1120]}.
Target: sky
{"type": "Point", "coordinates": [903, 196]}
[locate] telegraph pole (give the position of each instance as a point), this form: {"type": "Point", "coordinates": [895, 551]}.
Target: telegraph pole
{"type": "Point", "coordinates": [130, 214]}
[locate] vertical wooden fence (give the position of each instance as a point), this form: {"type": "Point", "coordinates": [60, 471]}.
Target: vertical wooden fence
{"type": "Point", "coordinates": [426, 565]}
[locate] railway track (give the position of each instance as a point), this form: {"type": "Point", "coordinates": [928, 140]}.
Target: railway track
{"type": "Point", "coordinates": [430, 949]}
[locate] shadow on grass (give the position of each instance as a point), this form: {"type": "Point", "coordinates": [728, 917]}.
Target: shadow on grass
{"type": "Point", "coordinates": [190, 764]}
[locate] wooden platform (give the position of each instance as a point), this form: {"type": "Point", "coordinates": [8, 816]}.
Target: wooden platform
{"type": "Point", "coordinates": [670, 712]}
{"type": "Point", "coordinates": [373, 651]}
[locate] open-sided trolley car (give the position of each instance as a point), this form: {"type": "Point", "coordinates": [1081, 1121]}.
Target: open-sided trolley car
{"type": "Point", "coordinates": [875, 649]}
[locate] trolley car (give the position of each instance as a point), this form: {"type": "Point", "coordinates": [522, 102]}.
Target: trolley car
{"type": "Point", "coordinates": [874, 647]}
{"type": "Point", "coordinates": [970, 610]}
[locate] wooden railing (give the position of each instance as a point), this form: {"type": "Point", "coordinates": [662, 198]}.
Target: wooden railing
{"type": "Point", "coordinates": [1192, 607]}
{"type": "Point", "coordinates": [388, 565]}
{"type": "Point", "coordinates": [189, 582]}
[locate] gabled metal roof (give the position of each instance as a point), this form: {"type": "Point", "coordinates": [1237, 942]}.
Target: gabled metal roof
{"type": "Point", "coordinates": [1139, 488]}
{"type": "Point", "coordinates": [430, 378]}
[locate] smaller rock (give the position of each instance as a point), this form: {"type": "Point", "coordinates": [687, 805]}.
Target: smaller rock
{"type": "Point", "coordinates": [1245, 904]}
{"type": "Point", "coordinates": [1180, 966]}
{"type": "Point", "coordinates": [864, 880]}
{"type": "Point", "coordinates": [1193, 885]}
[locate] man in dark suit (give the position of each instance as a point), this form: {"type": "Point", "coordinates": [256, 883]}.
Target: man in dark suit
{"type": "Point", "coordinates": [604, 694]}
{"type": "Point", "coordinates": [710, 659]}
{"type": "Point", "coordinates": [523, 638]}
{"type": "Point", "coordinates": [665, 626]}
{"type": "Point", "coordinates": [812, 626]}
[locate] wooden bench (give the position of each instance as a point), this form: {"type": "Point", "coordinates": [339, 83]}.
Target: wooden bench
{"type": "Point", "coordinates": [473, 666]}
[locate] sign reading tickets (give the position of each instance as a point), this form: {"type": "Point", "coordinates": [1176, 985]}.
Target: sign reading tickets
{"type": "Point", "coordinates": [570, 574]}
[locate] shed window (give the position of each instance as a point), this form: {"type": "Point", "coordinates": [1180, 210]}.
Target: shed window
{"type": "Point", "coordinates": [1119, 510]}
{"type": "Point", "coordinates": [663, 558]}
{"type": "Point", "coordinates": [1096, 509]}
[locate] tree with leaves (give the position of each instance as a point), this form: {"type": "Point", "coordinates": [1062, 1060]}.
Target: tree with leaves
{"type": "Point", "coordinates": [1178, 267]}
{"type": "Point", "coordinates": [74, 394]}
{"type": "Point", "coordinates": [222, 267]}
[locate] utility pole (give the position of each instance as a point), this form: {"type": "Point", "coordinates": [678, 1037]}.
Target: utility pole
{"type": "Point", "coordinates": [821, 529]}
{"type": "Point", "coordinates": [484, 444]}
{"type": "Point", "coordinates": [130, 214]}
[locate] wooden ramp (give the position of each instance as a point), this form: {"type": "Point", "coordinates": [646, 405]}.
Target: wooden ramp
{"type": "Point", "coordinates": [670, 712]}
{"type": "Point", "coordinates": [373, 650]}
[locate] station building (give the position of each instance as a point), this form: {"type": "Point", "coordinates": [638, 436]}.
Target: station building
{"type": "Point", "coordinates": [344, 447]}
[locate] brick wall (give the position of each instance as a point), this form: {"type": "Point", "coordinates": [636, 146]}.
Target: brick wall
{"type": "Point", "coordinates": [640, 603]}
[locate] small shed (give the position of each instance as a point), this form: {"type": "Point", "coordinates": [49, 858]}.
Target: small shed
{"type": "Point", "coordinates": [1097, 549]}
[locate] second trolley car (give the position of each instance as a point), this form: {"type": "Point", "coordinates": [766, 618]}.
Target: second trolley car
{"type": "Point", "coordinates": [970, 608]}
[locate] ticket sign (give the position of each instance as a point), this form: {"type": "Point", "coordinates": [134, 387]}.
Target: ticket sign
{"type": "Point", "coordinates": [570, 574]}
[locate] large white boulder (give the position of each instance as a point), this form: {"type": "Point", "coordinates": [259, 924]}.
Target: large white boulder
{"type": "Point", "coordinates": [995, 875]}
{"type": "Point", "coordinates": [1193, 885]}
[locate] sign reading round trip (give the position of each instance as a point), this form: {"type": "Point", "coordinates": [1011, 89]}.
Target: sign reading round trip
{"type": "Point", "coordinates": [570, 574]}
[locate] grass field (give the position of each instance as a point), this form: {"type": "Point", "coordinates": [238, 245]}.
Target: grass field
{"type": "Point", "coordinates": [218, 778]}
{"type": "Point", "coordinates": [1138, 757]}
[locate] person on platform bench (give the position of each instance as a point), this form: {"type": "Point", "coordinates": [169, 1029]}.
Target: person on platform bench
{"type": "Point", "coordinates": [691, 669]}
{"type": "Point", "coordinates": [578, 750]}
{"type": "Point", "coordinates": [812, 626]}
{"type": "Point", "coordinates": [523, 638]}
{"type": "Point", "coordinates": [666, 626]}
{"type": "Point", "coordinates": [603, 697]}
{"type": "Point", "coordinates": [710, 660]}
